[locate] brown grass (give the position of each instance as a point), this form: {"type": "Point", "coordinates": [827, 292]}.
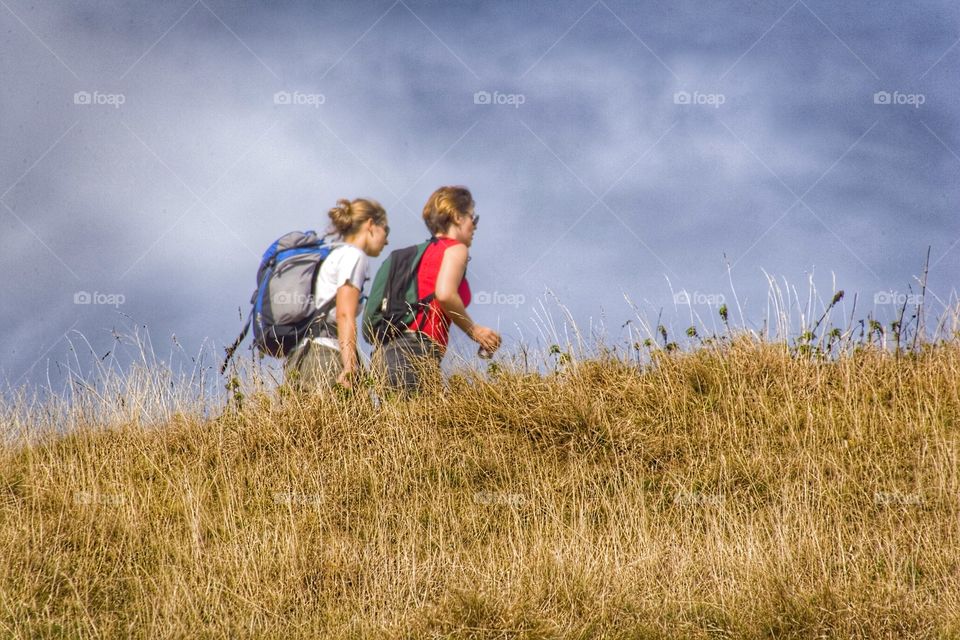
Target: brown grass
{"type": "Point", "coordinates": [735, 491]}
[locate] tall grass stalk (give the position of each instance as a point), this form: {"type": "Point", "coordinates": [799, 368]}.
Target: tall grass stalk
{"type": "Point", "coordinates": [735, 486]}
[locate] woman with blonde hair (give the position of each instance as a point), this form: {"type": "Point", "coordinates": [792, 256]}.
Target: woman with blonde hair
{"type": "Point", "coordinates": [330, 358]}
{"type": "Point", "coordinates": [450, 218]}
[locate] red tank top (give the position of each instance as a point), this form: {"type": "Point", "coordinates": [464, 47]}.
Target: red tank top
{"type": "Point", "coordinates": [434, 321]}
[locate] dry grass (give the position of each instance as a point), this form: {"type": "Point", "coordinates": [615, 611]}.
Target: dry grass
{"type": "Point", "coordinates": [733, 491]}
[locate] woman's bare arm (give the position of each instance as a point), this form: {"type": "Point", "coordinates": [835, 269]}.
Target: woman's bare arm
{"type": "Point", "coordinates": [452, 268]}
{"type": "Point", "coordinates": [348, 299]}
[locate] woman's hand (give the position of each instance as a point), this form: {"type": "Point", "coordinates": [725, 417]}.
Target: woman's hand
{"type": "Point", "coordinates": [485, 337]}
{"type": "Point", "coordinates": [346, 378]}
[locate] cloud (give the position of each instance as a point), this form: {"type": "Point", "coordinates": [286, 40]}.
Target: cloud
{"type": "Point", "coordinates": [169, 197]}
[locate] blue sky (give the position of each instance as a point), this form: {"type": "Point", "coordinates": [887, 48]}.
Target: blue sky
{"type": "Point", "coordinates": [614, 149]}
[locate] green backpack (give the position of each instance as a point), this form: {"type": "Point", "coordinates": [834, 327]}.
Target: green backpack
{"type": "Point", "coordinates": [394, 300]}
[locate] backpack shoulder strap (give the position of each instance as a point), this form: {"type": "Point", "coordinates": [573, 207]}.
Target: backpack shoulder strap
{"type": "Point", "coordinates": [236, 343]}
{"type": "Point", "coordinates": [420, 307]}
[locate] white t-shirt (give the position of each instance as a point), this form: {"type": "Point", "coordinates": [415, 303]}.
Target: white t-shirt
{"type": "Point", "coordinates": [346, 263]}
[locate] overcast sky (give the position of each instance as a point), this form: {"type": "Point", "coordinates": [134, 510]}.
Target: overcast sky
{"type": "Point", "coordinates": [151, 151]}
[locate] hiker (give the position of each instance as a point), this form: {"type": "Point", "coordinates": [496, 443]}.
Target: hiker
{"type": "Point", "coordinates": [330, 357]}
{"type": "Point", "coordinates": [443, 292]}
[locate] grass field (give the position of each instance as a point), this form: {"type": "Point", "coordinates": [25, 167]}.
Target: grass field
{"type": "Point", "coordinates": [739, 489]}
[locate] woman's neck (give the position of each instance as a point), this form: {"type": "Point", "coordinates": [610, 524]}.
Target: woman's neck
{"type": "Point", "coordinates": [356, 241]}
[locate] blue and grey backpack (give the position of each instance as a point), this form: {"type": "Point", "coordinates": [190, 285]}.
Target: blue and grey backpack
{"type": "Point", "coordinates": [283, 309]}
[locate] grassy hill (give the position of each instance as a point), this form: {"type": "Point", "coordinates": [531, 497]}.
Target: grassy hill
{"type": "Point", "coordinates": [739, 490]}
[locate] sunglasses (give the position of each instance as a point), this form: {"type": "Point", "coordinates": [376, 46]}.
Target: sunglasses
{"type": "Point", "coordinates": [476, 219]}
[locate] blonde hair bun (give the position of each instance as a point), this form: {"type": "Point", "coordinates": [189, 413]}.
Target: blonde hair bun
{"type": "Point", "coordinates": [348, 216]}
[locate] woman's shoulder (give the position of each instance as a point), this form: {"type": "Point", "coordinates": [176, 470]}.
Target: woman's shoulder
{"type": "Point", "coordinates": [345, 251]}
{"type": "Point", "coordinates": [457, 252]}
{"type": "Point", "coordinates": [344, 256]}
{"type": "Point", "coordinates": [454, 245]}
{"type": "Point", "coordinates": [446, 245]}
